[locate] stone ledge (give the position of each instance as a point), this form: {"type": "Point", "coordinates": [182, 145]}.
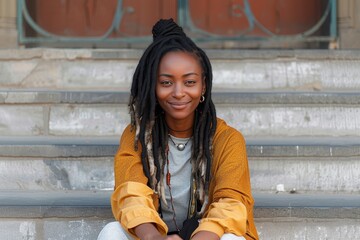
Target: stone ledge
{"type": "Point", "coordinates": [73, 198]}
{"type": "Point", "coordinates": [55, 198]}
{"type": "Point", "coordinates": [114, 140]}
{"type": "Point", "coordinates": [312, 229]}
{"type": "Point", "coordinates": [108, 70]}
{"type": "Point", "coordinates": [57, 212]}
{"type": "Point", "coordinates": [66, 204]}
{"type": "Point", "coordinates": [255, 114]}
{"type": "Point", "coordinates": [268, 228]}
{"type": "Point", "coordinates": [220, 96]}
{"type": "Point", "coordinates": [19, 146]}
{"type": "Point", "coordinates": [45, 229]}
{"type": "Point", "coordinates": [299, 200]}
{"type": "Point", "coordinates": [311, 174]}
{"type": "Point", "coordinates": [58, 150]}
{"type": "Point", "coordinates": [119, 54]}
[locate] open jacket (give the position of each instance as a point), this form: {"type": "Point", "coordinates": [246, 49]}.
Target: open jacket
{"type": "Point", "coordinates": [230, 208]}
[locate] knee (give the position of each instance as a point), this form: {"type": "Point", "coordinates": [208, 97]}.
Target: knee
{"type": "Point", "coordinates": [230, 236]}
{"type": "Point", "coordinates": [109, 231]}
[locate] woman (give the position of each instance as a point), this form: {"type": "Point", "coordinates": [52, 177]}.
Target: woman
{"type": "Point", "coordinates": [177, 161]}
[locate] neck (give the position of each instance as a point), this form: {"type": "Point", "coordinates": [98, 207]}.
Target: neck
{"type": "Point", "coordinates": [182, 128]}
{"type": "Point", "coordinates": [185, 133]}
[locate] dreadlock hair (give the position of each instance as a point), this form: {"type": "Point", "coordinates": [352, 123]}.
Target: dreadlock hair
{"type": "Point", "coordinates": [147, 116]}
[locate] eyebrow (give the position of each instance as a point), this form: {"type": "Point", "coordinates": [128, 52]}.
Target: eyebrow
{"type": "Point", "coordinates": [185, 75]}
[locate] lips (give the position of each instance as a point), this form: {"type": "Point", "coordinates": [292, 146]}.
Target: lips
{"type": "Point", "coordinates": [178, 105]}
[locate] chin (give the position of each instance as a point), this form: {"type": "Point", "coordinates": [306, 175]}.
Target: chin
{"type": "Point", "coordinates": [180, 116]}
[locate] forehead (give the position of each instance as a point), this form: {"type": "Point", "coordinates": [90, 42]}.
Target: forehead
{"type": "Point", "coordinates": [180, 61]}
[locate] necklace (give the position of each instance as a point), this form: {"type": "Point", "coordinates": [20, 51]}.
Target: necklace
{"type": "Point", "coordinates": [168, 183]}
{"type": "Point", "coordinates": [185, 130]}
{"type": "Point", "coordinates": [179, 146]}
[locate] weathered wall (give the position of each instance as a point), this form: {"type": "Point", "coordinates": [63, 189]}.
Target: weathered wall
{"type": "Point", "coordinates": [8, 32]}
{"type": "Point", "coordinates": [349, 24]}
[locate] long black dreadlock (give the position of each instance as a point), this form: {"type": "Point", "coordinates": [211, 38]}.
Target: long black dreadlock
{"type": "Point", "coordinates": [147, 116]}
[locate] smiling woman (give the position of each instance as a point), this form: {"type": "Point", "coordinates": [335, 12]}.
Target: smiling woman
{"type": "Point", "coordinates": [180, 86]}
{"type": "Point", "coordinates": [180, 172]}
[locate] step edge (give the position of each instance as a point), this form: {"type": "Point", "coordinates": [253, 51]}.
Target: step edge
{"type": "Point", "coordinates": [99, 198]}
{"type": "Point", "coordinates": [114, 140]}
{"type": "Point", "coordinates": [213, 54]}
{"type": "Point", "coordinates": [219, 97]}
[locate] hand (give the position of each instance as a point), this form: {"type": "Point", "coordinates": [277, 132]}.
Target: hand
{"type": "Point", "coordinates": [169, 237]}
{"type": "Point", "coordinates": [148, 231]}
{"type": "Point", "coordinates": [202, 235]}
{"type": "Point", "coordinates": [173, 237]}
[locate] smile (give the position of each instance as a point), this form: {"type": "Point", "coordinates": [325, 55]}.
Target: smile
{"type": "Point", "coordinates": [178, 105]}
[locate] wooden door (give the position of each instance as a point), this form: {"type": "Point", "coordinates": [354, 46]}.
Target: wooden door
{"type": "Point", "coordinates": [281, 17]}
{"type": "Point", "coordinates": [94, 17]}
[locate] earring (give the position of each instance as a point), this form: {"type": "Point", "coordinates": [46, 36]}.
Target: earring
{"type": "Point", "coordinates": [202, 98]}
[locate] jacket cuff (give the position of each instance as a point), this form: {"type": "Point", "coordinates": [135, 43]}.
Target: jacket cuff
{"type": "Point", "coordinates": [136, 222]}
{"type": "Point", "coordinates": [210, 227]}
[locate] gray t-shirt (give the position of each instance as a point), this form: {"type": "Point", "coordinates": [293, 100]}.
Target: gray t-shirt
{"type": "Point", "coordinates": [180, 170]}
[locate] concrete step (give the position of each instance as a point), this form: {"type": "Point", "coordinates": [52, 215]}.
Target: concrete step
{"type": "Point", "coordinates": [54, 215]}
{"type": "Point", "coordinates": [307, 216]}
{"type": "Point", "coordinates": [82, 163]}
{"type": "Point", "coordinates": [255, 114]}
{"type": "Point", "coordinates": [62, 113]}
{"type": "Point", "coordinates": [289, 228]}
{"type": "Point", "coordinates": [82, 214]}
{"type": "Point", "coordinates": [48, 204]}
{"type": "Point", "coordinates": [236, 69]}
{"type": "Point", "coordinates": [311, 229]}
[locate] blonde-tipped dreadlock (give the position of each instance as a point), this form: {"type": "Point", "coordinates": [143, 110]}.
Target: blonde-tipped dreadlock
{"type": "Point", "coordinates": [147, 116]}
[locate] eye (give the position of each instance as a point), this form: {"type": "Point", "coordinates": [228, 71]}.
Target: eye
{"type": "Point", "coordinates": [190, 83]}
{"type": "Point", "coordinates": [165, 83]}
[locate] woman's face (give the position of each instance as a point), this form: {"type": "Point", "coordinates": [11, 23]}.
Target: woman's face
{"type": "Point", "coordinates": [179, 86]}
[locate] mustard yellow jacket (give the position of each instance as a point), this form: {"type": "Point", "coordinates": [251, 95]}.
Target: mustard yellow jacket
{"type": "Point", "coordinates": [230, 208]}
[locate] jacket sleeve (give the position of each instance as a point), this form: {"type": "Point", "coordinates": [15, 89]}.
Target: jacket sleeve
{"type": "Point", "coordinates": [225, 216]}
{"type": "Point", "coordinates": [132, 205]}
{"type": "Point", "coordinates": [230, 199]}
{"type": "Point", "coordinates": [133, 202]}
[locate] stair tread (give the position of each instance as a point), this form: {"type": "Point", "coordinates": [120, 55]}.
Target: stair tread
{"type": "Point", "coordinates": [241, 69]}
{"type": "Point", "coordinates": [114, 140]}
{"type": "Point", "coordinates": [220, 96]}
{"type": "Point", "coordinates": [312, 200]}
{"type": "Point", "coordinates": [54, 198]}
{"type": "Point", "coordinates": [125, 54]}
{"type": "Point", "coordinates": [102, 198]}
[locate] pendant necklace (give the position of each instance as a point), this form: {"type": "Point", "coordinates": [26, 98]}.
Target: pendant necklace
{"type": "Point", "coordinates": [168, 183]}
{"type": "Point", "coordinates": [179, 146]}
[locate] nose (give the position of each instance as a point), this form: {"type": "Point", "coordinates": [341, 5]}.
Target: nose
{"type": "Point", "coordinates": [178, 91]}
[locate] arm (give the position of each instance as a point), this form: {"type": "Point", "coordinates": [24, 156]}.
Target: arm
{"type": "Point", "coordinates": [230, 196]}
{"type": "Point", "coordinates": [132, 205]}
{"type": "Point", "coordinates": [225, 216]}
{"type": "Point", "coordinates": [133, 202]}
{"type": "Point", "coordinates": [148, 231]}
{"type": "Point", "coordinates": [205, 235]}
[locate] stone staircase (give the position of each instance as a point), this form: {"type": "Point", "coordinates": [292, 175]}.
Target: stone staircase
{"type": "Point", "coordinates": [62, 113]}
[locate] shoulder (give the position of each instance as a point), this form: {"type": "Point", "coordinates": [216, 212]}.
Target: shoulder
{"type": "Point", "coordinates": [128, 137]}
{"type": "Point", "coordinates": [228, 149]}
{"type": "Point", "coordinates": [128, 131]}
{"type": "Point", "coordinates": [226, 133]}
